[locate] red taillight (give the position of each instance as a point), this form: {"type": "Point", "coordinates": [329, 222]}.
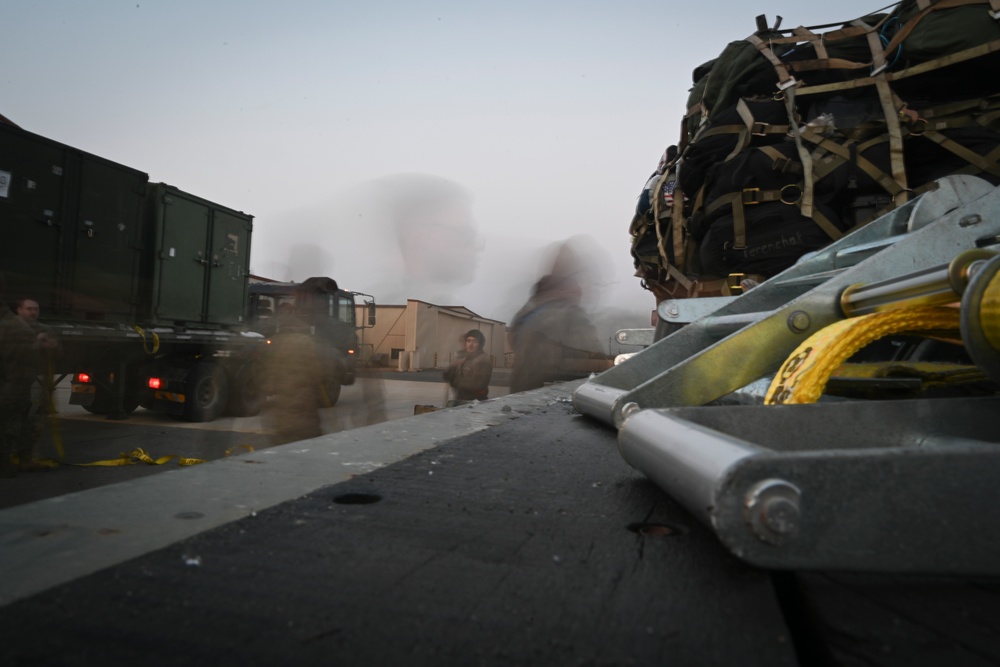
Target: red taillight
{"type": "Point", "coordinates": [83, 378]}
{"type": "Point", "coordinates": [154, 383]}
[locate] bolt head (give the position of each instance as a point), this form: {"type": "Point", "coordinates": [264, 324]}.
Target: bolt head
{"type": "Point", "coordinates": [799, 321]}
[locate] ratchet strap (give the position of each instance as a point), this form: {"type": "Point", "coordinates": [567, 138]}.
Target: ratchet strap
{"type": "Point", "coordinates": [803, 376]}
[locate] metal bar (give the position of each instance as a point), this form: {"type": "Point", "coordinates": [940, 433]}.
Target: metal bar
{"type": "Point", "coordinates": [898, 486]}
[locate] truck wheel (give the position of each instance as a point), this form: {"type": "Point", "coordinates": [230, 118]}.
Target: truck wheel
{"type": "Point", "coordinates": [206, 395]}
{"type": "Point", "coordinates": [330, 394]}
{"type": "Point", "coordinates": [246, 392]}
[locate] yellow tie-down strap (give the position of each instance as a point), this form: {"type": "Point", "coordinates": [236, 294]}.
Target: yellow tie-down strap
{"type": "Point", "coordinates": [139, 455]}
{"type": "Point", "coordinates": [803, 376]}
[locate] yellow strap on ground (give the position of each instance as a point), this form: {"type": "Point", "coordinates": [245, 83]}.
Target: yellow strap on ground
{"type": "Point", "coordinates": [248, 448]}
{"type": "Point", "coordinates": [139, 455]}
{"type": "Point", "coordinates": [803, 376]}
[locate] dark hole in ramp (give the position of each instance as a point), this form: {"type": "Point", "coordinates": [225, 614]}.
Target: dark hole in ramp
{"type": "Point", "coordinates": [357, 499]}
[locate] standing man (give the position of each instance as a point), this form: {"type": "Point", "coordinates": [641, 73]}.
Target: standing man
{"type": "Point", "coordinates": [18, 363]}
{"type": "Point", "coordinates": [40, 392]}
{"type": "Point", "coordinates": [469, 375]}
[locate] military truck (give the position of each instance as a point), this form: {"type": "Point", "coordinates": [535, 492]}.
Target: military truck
{"type": "Point", "coordinates": [148, 287]}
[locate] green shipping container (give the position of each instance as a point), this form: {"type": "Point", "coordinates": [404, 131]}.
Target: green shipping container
{"type": "Point", "coordinates": [199, 262]}
{"type": "Point", "coordinates": [72, 225]}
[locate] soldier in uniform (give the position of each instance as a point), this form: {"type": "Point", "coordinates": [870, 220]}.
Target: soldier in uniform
{"type": "Point", "coordinates": [18, 369]}
{"type": "Point", "coordinates": [41, 388]}
{"type": "Point", "coordinates": [470, 374]}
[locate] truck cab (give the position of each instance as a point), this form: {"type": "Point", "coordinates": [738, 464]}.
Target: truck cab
{"type": "Point", "coordinates": [200, 386]}
{"type": "Point", "coordinates": [316, 306]}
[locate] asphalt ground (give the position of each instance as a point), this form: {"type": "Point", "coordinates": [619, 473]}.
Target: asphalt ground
{"type": "Point", "coordinates": [88, 440]}
{"type": "Point", "coordinates": [508, 532]}
{"type": "Point", "coordinates": [505, 533]}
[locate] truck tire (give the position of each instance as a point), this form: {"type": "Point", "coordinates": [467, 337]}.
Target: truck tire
{"type": "Point", "coordinates": [246, 391]}
{"type": "Point", "coordinates": [207, 393]}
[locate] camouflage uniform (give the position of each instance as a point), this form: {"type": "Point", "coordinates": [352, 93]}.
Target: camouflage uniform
{"type": "Point", "coordinates": [470, 377]}
{"type": "Point", "coordinates": [18, 369]}
{"type": "Point", "coordinates": [546, 333]}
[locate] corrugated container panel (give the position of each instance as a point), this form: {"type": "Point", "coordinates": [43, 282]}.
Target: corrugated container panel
{"type": "Point", "coordinates": [72, 223]}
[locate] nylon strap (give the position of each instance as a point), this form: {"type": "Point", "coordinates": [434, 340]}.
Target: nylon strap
{"type": "Point", "coordinates": [961, 151]}
{"type": "Point", "coordinates": [785, 80]}
{"type": "Point", "coordinates": [803, 376]}
{"type": "Point", "coordinates": [891, 111]}
{"type": "Point", "coordinates": [806, 202]}
{"type": "Point", "coordinates": [817, 42]}
{"type": "Point", "coordinates": [908, 27]}
{"type": "Point", "coordinates": [780, 161]}
{"type": "Point", "coordinates": [843, 152]}
{"type": "Point", "coordinates": [656, 194]}
{"type": "Point", "coordinates": [678, 226]}
{"type": "Point", "coordinates": [145, 346]}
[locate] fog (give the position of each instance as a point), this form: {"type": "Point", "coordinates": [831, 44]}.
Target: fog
{"type": "Point", "coordinates": [526, 123]}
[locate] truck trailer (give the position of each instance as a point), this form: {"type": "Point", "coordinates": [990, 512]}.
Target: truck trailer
{"type": "Point", "coordinates": [148, 287]}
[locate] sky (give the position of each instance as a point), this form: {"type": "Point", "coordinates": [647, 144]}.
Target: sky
{"type": "Point", "coordinates": [313, 116]}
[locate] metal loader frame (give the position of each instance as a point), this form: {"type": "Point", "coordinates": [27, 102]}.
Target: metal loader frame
{"type": "Point", "coordinates": [901, 486]}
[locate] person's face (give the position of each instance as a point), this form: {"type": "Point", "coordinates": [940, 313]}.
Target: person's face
{"type": "Point", "coordinates": [28, 311]}
{"type": "Point", "coordinates": [441, 245]}
{"type": "Point", "coordinates": [471, 345]}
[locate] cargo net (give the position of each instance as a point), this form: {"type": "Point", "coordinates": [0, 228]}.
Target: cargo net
{"type": "Point", "coordinates": [793, 138]}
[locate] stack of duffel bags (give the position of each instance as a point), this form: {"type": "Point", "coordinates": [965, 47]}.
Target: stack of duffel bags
{"type": "Point", "coordinates": [793, 138]}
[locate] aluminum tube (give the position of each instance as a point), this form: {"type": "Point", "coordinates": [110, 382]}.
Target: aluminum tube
{"type": "Point", "coordinates": [934, 286]}
{"type": "Point", "coordinates": [686, 460]}
{"type": "Point", "coordinates": [597, 400]}
{"type": "Point", "coordinates": [926, 288]}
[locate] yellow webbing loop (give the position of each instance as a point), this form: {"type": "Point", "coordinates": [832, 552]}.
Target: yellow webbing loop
{"type": "Point", "coordinates": [803, 376]}
{"type": "Point", "coordinates": [145, 347]}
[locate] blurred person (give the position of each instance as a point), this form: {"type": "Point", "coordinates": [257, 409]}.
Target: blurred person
{"type": "Point", "coordinates": [46, 343]}
{"type": "Point", "coordinates": [552, 335]}
{"type": "Point", "coordinates": [469, 375]}
{"type": "Point", "coordinates": [18, 368]}
{"type": "Point", "coordinates": [293, 375]}
{"type": "Point", "coordinates": [304, 363]}
{"type": "Point", "coordinates": [420, 241]}
{"type": "Point", "coordinates": [434, 226]}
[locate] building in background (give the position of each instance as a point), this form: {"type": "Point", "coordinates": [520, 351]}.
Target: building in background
{"type": "Point", "coordinates": [425, 336]}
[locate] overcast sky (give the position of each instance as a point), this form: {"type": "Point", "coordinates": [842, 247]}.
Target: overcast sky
{"type": "Point", "coordinates": [550, 115]}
